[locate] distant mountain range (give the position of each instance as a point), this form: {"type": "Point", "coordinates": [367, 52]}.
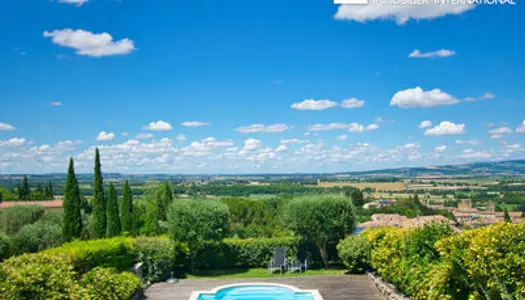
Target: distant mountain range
{"type": "Point", "coordinates": [483, 169]}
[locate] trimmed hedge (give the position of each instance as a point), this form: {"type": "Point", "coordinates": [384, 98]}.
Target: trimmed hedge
{"type": "Point", "coordinates": [434, 263]}
{"type": "Point", "coordinates": [252, 252]}
{"type": "Point", "coordinates": [106, 283]}
{"type": "Point", "coordinates": [158, 255]}
{"type": "Point", "coordinates": [72, 271]}
{"type": "Point", "coordinates": [112, 253]}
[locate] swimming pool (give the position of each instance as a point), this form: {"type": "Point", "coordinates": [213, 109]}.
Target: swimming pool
{"type": "Point", "coordinates": [257, 291]}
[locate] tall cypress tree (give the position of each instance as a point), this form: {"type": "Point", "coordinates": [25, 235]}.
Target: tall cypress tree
{"type": "Point", "coordinates": [112, 213]}
{"type": "Point", "coordinates": [49, 191]}
{"type": "Point", "coordinates": [126, 209]}
{"type": "Point", "coordinates": [99, 201]}
{"type": "Point", "coordinates": [71, 219]}
{"type": "Point", "coordinates": [506, 216]}
{"type": "Point", "coordinates": [164, 200]}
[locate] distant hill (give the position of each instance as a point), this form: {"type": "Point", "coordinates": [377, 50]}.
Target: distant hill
{"type": "Point", "coordinates": [484, 169]}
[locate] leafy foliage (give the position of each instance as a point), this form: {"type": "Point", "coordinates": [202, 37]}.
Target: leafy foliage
{"type": "Point", "coordinates": [107, 283]}
{"type": "Point", "coordinates": [72, 220]}
{"type": "Point", "coordinates": [324, 220]}
{"type": "Point", "coordinates": [194, 222]}
{"type": "Point", "coordinates": [158, 255]}
{"type": "Point", "coordinates": [113, 219]}
{"type": "Point", "coordinates": [252, 252]}
{"type": "Point", "coordinates": [36, 237]}
{"type": "Point", "coordinates": [126, 209]}
{"type": "Point", "coordinates": [14, 218]}
{"type": "Point", "coordinates": [114, 253]}
{"type": "Point", "coordinates": [5, 246]}
{"type": "Point", "coordinates": [354, 251]}
{"type": "Point", "coordinates": [52, 276]}
{"type": "Point", "coordinates": [99, 222]}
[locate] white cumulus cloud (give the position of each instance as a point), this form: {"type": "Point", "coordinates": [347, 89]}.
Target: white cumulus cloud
{"type": "Point", "coordinates": [275, 128]}
{"type": "Point", "coordinates": [468, 142]}
{"type": "Point", "coordinates": [441, 148]}
{"type": "Point", "coordinates": [418, 98]}
{"type": "Point", "coordinates": [144, 136]}
{"type": "Point", "coordinates": [56, 103]}
{"type": "Point", "coordinates": [500, 130]}
{"type": "Point", "coordinates": [311, 104]}
{"type": "Point", "coordinates": [372, 127]}
{"type": "Point", "coordinates": [425, 124]}
{"type": "Point", "coordinates": [432, 54]}
{"type": "Point", "coordinates": [356, 127]}
{"type": "Point", "coordinates": [158, 126]}
{"type": "Point", "coordinates": [6, 127]}
{"type": "Point", "coordinates": [400, 13]}
{"type": "Point", "coordinates": [342, 137]}
{"type": "Point", "coordinates": [352, 103]}
{"type": "Point", "coordinates": [75, 2]}
{"type": "Point", "coordinates": [181, 138]}
{"type": "Point", "coordinates": [13, 142]}
{"type": "Point", "coordinates": [446, 128]}
{"type": "Point", "coordinates": [195, 124]}
{"type": "Point", "coordinates": [90, 44]}
{"type": "Point", "coordinates": [105, 136]}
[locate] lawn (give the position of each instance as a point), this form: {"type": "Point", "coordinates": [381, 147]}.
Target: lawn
{"type": "Point", "coordinates": [260, 273]}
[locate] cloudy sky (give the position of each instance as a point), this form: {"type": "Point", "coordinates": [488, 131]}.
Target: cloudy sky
{"type": "Point", "coordinates": [208, 86]}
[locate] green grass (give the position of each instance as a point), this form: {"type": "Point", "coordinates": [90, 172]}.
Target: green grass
{"type": "Point", "coordinates": [261, 273]}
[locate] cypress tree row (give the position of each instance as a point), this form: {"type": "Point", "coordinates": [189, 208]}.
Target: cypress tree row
{"type": "Point", "coordinates": [112, 213]}
{"type": "Point", "coordinates": [71, 219]}
{"type": "Point", "coordinates": [126, 209]}
{"type": "Point", "coordinates": [99, 220]}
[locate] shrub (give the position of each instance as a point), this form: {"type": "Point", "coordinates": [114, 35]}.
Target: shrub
{"type": "Point", "coordinates": [48, 276]}
{"type": "Point", "coordinates": [408, 259]}
{"type": "Point", "coordinates": [52, 217]}
{"type": "Point", "coordinates": [354, 251]}
{"type": "Point", "coordinates": [106, 283]}
{"type": "Point", "coordinates": [5, 246]}
{"type": "Point", "coordinates": [36, 237]}
{"type": "Point", "coordinates": [252, 252]}
{"type": "Point", "coordinates": [158, 255]}
{"type": "Point", "coordinates": [195, 222]}
{"type": "Point", "coordinates": [14, 218]}
{"type": "Point", "coordinates": [37, 276]}
{"type": "Point", "coordinates": [113, 253]}
{"type": "Point", "coordinates": [324, 220]}
{"type": "Point", "coordinates": [489, 259]}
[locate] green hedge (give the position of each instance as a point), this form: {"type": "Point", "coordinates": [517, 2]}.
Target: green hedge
{"type": "Point", "coordinates": [112, 253]}
{"type": "Point", "coordinates": [354, 251]}
{"type": "Point", "coordinates": [434, 263]}
{"type": "Point", "coordinates": [158, 255]}
{"type": "Point", "coordinates": [253, 252]}
{"type": "Point", "coordinates": [72, 271]}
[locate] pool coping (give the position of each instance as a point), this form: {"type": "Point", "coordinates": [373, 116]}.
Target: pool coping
{"type": "Point", "coordinates": [315, 293]}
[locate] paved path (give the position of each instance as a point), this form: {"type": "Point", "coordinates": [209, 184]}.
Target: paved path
{"type": "Point", "coordinates": [351, 287]}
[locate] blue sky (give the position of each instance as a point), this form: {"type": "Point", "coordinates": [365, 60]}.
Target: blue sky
{"type": "Point", "coordinates": [76, 74]}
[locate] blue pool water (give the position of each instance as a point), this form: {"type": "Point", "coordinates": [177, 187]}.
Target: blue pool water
{"type": "Point", "coordinates": [257, 293]}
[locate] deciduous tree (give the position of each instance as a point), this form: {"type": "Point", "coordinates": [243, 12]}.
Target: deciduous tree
{"type": "Point", "coordinates": [324, 220]}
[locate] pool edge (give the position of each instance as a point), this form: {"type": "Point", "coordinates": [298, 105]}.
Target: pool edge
{"type": "Point", "coordinates": [315, 293]}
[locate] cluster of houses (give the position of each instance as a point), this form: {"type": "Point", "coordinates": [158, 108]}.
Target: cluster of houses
{"type": "Point", "coordinates": [468, 215]}
{"type": "Point", "coordinates": [380, 220]}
